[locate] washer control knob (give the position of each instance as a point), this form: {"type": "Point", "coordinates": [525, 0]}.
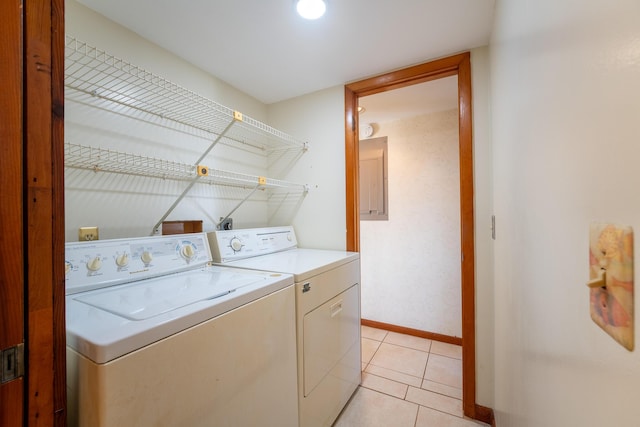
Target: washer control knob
{"type": "Point", "coordinates": [188, 251]}
{"type": "Point", "coordinates": [122, 260]}
{"type": "Point", "coordinates": [146, 257]}
{"type": "Point", "coordinates": [67, 267]}
{"type": "Point", "coordinates": [94, 264]}
{"type": "Point", "coordinates": [236, 244]}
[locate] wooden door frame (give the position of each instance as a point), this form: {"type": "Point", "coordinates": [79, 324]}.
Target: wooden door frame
{"type": "Point", "coordinates": [43, 176]}
{"type": "Point", "coordinates": [459, 65]}
{"type": "Point", "coordinates": [11, 209]}
{"type": "Point", "coordinates": [32, 210]}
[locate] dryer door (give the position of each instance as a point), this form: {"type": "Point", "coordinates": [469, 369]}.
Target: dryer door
{"type": "Point", "coordinates": [331, 334]}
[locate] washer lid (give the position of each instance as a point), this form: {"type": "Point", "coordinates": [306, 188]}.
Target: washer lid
{"type": "Point", "coordinates": [104, 324]}
{"type": "Point", "coordinates": [146, 299]}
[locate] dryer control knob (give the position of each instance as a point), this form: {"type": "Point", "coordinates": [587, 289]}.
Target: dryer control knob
{"type": "Point", "coordinates": [188, 252]}
{"type": "Point", "coordinates": [94, 264]}
{"type": "Point", "coordinates": [146, 257]}
{"type": "Point", "coordinates": [236, 244]}
{"type": "Point", "coordinates": [122, 260]}
{"type": "Point", "coordinates": [67, 267]}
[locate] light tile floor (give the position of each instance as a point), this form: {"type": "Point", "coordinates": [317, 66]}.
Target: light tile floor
{"type": "Point", "coordinates": [407, 382]}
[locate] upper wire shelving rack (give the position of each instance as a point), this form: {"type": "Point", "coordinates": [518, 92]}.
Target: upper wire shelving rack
{"type": "Point", "coordinates": [102, 76]}
{"type": "Point", "coordinates": [96, 73]}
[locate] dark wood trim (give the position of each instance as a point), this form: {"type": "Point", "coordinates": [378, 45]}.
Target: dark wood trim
{"type": "Point", "coordinates": [433, 70]}
{"type": "Point", "coordinates": [58, 237]}
{"type": "Point", "coordinates": [44, 210]}
{"type": "Point", "coordinates": [467, 237]}
{"type": "Point", "coordinates": [459, 65]}
{"type": "Point", "coordinates": [351, 169]}
{"type": "Point", "coordinates": [410, 331]}
{"type": "Point", "coordinates": [11, 205]}
{"type": "Point", "coordinates": [37, 155]}
{"type": "Point", "coordinates": [11, 291]}
{"type": "Point", "coordinates": [485, 415]}
{"type": "Point", "coordinates": [12, 403]}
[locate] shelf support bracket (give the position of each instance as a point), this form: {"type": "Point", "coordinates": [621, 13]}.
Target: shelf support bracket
{"type": "Point", "coordinates": [221, 135]}
{"type": "Point", "coordinates": [237, 206]}
{"type": "Point", "coordinates": [173, 206]}
{"type": "Point", "coordinates": [215, 142]}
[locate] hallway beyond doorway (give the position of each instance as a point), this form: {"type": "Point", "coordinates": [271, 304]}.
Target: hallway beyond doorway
{"type": "Point", "coordinates": [407, 382]}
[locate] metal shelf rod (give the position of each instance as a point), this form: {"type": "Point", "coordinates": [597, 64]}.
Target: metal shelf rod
{"type": "Point", "coordinates": [237, 206]}
{"type": "Point", "coordinates": [173, 206]}
{"type": "Point", "coordinates": [193, 181]}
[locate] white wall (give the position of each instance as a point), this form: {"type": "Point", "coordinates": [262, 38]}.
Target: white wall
{"type": "Point", "coordinates": [565, 92]}
{"type": "Point", "coordinates": [411, 263]}
{"type": "Point", "coordinates": [483, 209]}
{"type": "Point", "coordinates": [123, 205]}
{"type": "Point", "coordinates": [319, 119]}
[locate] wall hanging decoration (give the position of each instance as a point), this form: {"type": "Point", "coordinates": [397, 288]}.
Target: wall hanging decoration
{"type": "Point", "coordinates": [611, 280]}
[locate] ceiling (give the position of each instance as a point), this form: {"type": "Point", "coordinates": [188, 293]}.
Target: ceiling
{"type": "Point", "coordinates": [410, 101]}
{"type": "Point", "coordinates": [264, 49]}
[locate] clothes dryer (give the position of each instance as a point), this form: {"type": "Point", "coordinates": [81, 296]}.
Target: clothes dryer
{"type": "Point", "coordinates": [327, 287]}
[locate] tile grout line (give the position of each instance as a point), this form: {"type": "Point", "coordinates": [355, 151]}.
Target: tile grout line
{"type": "Point", "coordinates": [424, 372]}
{"type": "Point", "coordinates": [421, 379]}
{"type": "Point", "coordinates": [408, 386]}
{"type": "Point", "coordinates": [415, 422]}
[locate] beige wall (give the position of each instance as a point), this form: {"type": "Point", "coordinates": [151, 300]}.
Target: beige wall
{"type": "Point", "coordinates": [319, 119]}
{"type": "Point", "coordinates": [411, 263]}
{"type": "Point", "coordinates": [125, 205]}
{"type": "Point", "coordinates": [483, 209]}
{"type": "Point", "coordinates": [565, 98]}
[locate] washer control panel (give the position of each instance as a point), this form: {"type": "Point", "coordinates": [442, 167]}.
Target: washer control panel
{"type": "Point", "coordinates": [102, 263]}
{"type": "Point", "coordinates": [233, 245]}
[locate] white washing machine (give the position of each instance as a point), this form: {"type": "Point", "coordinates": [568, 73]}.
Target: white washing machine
{"type": "Point", "coordinates": [158, 337]}
{"type": "Point", "coordinates": [327, 285]}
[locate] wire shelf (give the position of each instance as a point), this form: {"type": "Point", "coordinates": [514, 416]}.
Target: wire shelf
{"type": "Point", "coordinates": [104, 160]}
{"type": "Point", "coordinates": [96, 73]}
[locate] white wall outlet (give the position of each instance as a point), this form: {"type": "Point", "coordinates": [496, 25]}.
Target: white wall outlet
{"type": "Point", "coordinates": [88, 233]}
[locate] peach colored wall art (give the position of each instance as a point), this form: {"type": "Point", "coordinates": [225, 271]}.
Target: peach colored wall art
{"type": "Point", "coordinates": [611, 274]}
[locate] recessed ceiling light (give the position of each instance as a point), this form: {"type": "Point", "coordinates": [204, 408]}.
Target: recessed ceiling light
{"type": "Point", "coordinates": [311, 9]}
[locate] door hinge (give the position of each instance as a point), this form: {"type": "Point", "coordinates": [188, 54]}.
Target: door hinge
{"type": "Point", "coordinates": [12, 360]}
